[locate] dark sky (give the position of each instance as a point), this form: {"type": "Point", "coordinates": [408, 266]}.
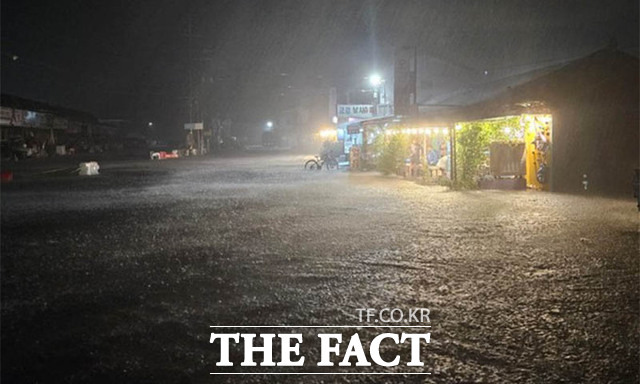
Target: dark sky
{"type": "Point", "coordinates": [248, 59]}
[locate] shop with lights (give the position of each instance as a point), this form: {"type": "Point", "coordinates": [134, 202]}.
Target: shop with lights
{"type": "Point", "coordinates": [505, 152]}
{"type": "Point", "coordinates": [423, 148]}
{"type": "Point", "coordinates": [572, 128]}
{"type": "Point", "coordinates": [580, 120]}
{"type": "Point", "coordinates": [568, 128]}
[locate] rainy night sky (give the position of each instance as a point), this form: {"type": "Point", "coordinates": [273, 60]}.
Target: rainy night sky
{"type": "Point", "coordinates": [132, 59]}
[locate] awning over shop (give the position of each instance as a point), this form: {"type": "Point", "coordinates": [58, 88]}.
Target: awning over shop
{"type": "Point", "coordinates": [357, 127]}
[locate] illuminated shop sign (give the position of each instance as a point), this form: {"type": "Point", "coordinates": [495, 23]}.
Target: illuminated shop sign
{"type": "Point", "coordinates": [362, 111]}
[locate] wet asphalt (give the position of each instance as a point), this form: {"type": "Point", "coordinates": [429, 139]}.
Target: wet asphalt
{"type": "Point", "coordinates": [118, 277]}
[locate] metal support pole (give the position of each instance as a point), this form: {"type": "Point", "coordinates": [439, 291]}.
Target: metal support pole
{"type": "Point", "coordinates": [454, 167]}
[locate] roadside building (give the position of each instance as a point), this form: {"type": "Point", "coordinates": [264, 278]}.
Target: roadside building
{"type": "Point", "coordinates": [44, 128]}
{"type": "Point", "coordinates": [576, 123]}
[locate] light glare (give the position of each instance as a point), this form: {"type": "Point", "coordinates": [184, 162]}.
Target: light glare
{"type": "Point", "coordinates": [375, 80]}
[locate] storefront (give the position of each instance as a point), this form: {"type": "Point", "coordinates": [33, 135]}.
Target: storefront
{"type": "Point", "coordinates": [571, 129]}
{"type": "Point", "coordinates": [428, 149]}
{"type": "Point", "coordinates": [402, 146]}
{"type": "Point", "coordinates": [509, 152]}
{"type": "Point", "coordinates": [39, 129]}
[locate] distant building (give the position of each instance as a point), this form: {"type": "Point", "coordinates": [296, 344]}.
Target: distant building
{"type": "Point", "coordinates": [46, 125]}
{"type": "Point", "coordinates": [19, 116]}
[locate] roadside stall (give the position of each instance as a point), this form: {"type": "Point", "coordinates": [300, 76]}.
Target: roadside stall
{"type": "Point", "coordinates": [426, 151]}
{"type": "Point", "coordinates": [509, 152]}
{"type": "Point", "coordinates": [362, 134]}
{"type": "Point", "coordinates": [405, 147]}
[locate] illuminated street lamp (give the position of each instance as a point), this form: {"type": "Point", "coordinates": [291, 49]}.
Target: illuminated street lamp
{"type": "Point", "coordinates": [375, 80]}
{"type": "Point", "coordinates": [268, 127]}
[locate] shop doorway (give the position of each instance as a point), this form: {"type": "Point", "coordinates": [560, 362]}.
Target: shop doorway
{"type": "Point", "coordinates": [509, 152]}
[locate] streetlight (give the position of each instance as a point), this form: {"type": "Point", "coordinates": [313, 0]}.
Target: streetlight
{"type": "Point", "coordinates": [375, 80]}
{"type": "Point", "coordinates": [150, 123]}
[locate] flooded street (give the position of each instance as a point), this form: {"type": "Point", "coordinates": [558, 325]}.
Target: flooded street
{"type": "Point", "coordinates": [117, 278]}
{"type": "Point", "coordinates": [304, 191]}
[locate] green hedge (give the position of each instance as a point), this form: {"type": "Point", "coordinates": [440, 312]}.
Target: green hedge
{"type": "Point", "coordinates": [472, 147]}
{"type": "Point", "coordinates": [390, 152]}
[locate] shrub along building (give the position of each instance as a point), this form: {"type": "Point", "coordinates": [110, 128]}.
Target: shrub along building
{"type": "Point", "coordinates": [571, 127]}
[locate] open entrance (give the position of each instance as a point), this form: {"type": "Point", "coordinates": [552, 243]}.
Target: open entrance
{"type": "Point", "coordinates": [509, 152]}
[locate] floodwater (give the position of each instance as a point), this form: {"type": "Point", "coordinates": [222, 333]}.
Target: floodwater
{"type": "Point", "coordinates": [117, 278]}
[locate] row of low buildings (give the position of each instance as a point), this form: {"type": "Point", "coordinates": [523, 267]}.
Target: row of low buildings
{"type": "Point", "coordinates": [41, 129]}
{"type": "Point", "coordinates": [580, 120]}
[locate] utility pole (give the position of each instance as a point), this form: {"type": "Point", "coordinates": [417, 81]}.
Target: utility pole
{"type": "Point", "coordinates": [198, 135]}
{"type": "Point", "coordinates": [190, 68]}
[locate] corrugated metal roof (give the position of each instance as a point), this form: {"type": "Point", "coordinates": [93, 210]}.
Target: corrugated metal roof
{"type": "Point", "coordinates": [484, 91]}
